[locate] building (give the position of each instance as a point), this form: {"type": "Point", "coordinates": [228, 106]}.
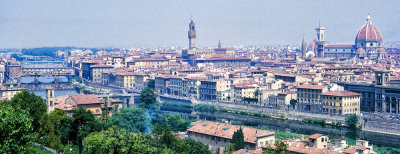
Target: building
{"type": "Point", "coordinates": [215, 90]}
{"type": "Point", "coordinates": [91, 102]}
{"type": "Point", "coordinates": [218, 136]}
{"type": "Point", "coordinates": [13, 70]}
{"type": "Point", "coordinates": [85, 68]}
{"type": "Point", "coordinates": [368, 43]}
{"type": "Point", "coordinates": [8, 90]}
{"type": "Point", "coordinates": [309, 97]}
{"type": "Point", "coordinates": [340, 103]}
{"type": "Point", "coordinates": [283, 99]}
{"type": "Point", "coordinates": [97, 70]}
{"type": "Point", "coordinates": [381, 96]}
{"type": "Point", "coordinates": [124, 79]}
{"type": "Point", "coordinates": [140, 81]}
{"type": "Point", "coordinates": [192, 35]}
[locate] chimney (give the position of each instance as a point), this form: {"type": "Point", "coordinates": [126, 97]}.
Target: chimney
{"type": "Point", "coordinates": [218, 127]}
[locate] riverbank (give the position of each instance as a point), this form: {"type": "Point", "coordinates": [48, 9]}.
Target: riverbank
{"type": "Point", "coordinates": [286, 128]}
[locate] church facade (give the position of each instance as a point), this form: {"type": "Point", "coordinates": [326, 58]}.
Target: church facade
{"type": "Point", "coordinates": [368, 44]}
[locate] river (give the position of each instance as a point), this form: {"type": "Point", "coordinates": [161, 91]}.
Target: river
{"type": "Point", "coordinates": [42, 93]}
{"type": "Point", "coordinates": [293, 126]}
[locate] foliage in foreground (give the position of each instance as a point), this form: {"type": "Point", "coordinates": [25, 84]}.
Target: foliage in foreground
{"type": "Point", "coordinates": [116, 140]}
{"type": "Point", "coordinates": [15, 129]}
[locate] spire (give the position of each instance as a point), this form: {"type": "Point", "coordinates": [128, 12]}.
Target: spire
{"type": "Point", "coordinates": [219, 43]}
{"type": "Point", "coordinates": [369, 19]}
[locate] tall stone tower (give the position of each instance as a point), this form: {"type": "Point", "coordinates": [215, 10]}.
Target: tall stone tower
{"type": "Point", "coordinates": [219, 44]}
{"type": "Point", "coordinates": [192, 35]}
{"type": "Point", "coordinates": [320, 41]}
{"type": "Point", "coordinates": [50, 99]}
{"type": "Point", "coordinates": [303, 48]}
{"type": "Point", "coordinates": [382, 77]}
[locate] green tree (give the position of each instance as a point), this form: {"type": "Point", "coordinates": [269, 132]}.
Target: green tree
{"type": "Point", "coordinates": [238, 139]}
{"type": "Point", "coordinates": [195, 146]}
{"type": "Point", "coordinates": [15, 129]}
{"type": "Point", "coordinates": [175, 121]}
{"type": "Point", "coordinates": [352, 121]}
{"type": "Point", "coordinates": [148, 99]}
{"type": "Point", "coordinates": [293, 102]}
{"type": "Point", "coordinates": [165, 136]}
{"type": "Point", "coordinates": [83, 124]}
{"type": "Point", "coordinates": [132, 119]}
{"type": "Point", "coordinates": [121, 141]}
{"type": "Point", "coordinates": [48, 134]}
{"type": "Point", "coordinates": [151, 84]}
{"type": "Point", "coordinates": [280, 148]}
{"type": "Point", "coordinates": [31, 103]}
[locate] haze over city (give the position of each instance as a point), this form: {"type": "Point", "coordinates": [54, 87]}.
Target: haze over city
{"type": "Point", "coordinates": [125, 23]}
{"type": "Point", "coordinates": [200, 77]}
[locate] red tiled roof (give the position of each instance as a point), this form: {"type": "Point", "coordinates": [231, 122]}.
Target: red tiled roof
{"type": "Point", "coordinates": [226, 131]}
{"type": "Point", "coordinates": [82, 99]}
{"type": "Point", "coordinates": [308, 86]}
{"type": "Point", "coordinates": [334, 93]}
{"type": "Point", "coordinates": [315, 136]}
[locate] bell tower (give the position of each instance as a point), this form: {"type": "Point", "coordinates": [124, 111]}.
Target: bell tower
{"type": "Point", "coordinates": [192, 35]}
{"type": "Point", "coordinates": [382, 77]}
{"type": "Point", "coordinates": [320, 44]}
{"type": "Point", "coordinates": [303, 48]}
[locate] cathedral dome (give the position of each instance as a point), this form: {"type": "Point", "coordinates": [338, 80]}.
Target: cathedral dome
{"type": "Point", "coordinates": [381, 50]}
{"type": "Point", "coordinates": [360, 51]}
{"type": "Point", "coordinates": [369, 32]}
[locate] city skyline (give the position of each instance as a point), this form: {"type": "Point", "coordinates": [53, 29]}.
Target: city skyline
{"type": "Point", "coordinates": [157, 23]}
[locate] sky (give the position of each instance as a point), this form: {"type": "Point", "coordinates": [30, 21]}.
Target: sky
{"type": "Point", "coordinates": [152, 23]}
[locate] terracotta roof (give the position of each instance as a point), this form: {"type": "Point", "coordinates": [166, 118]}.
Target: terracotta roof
{"type": "Point", "coordinates": [369, 32]}
{"type": "Point", "coordinates": [226, 130]}
{"type": "Point", "coordinates": [82, 99]}
{"type": "Point", "coordinates": [315, 136]}
{"type": "Point", "coordinates": [102, 65]}
{"type": "Point", "coordinates": [334, 93]}
{"type": "Point", "coordinates": [308, 86]}
{"type": "Point", "coordinates": [49, 88]}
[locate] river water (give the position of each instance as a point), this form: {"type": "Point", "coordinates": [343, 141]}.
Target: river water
{"type": "Point", "coordinates": [42, 93]}
{"type": "Point", "coordinates": [299, 127]}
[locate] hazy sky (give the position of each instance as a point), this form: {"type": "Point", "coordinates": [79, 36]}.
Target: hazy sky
{"type": "Point", "coordinates": [145, 23]}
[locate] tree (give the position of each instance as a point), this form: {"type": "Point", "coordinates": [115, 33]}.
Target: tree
{"type": "Point", "coordinates": [31, 103]}
{"type": "Point", "coordinates": [15, 129]}
{"type": "Point", "coordinates": [83, 124]}
{"type": "Point", "coordinates": [148, 99]}
{"type": "Point", "coordinates": [132, 119]}
{"type": "Point", "coordinates": [175, 121]}
{"type": "Point", "coordinates": [195, 146]}
{"type": "Point", "coordinates": [238, 139]}
{"type": "Point", "coordinates": [280, 148]}
{"type": "Point", "coordinates": [165, 136]}
{"type": "Point", "coordinates": [116, 140]}
{"type": "Point", "coordinates": [293, 102]}
{"type": "Point", "coordinates": [352, 121]}
{"type": "Point", "coordinates": [151, 84]}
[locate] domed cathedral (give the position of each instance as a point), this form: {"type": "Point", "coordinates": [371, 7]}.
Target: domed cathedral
{"type": "Point", "coordinates": [369, 39]}
{"type": "Point", "coordinates": [368, 44]}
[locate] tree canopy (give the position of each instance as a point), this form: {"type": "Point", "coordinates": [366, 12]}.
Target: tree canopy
{"type": "Point", "coordinates": [132, 119]}
{"type": "Point", "coordinates": [148, 99]}
{"type": "Point", "coordinates": [115, 140]}
{"type": "Point", "coordinates": [15, 129]}
{"type": "Point", "coordinates": [238, 139]}
{"type": "Point", "coordinates": [352, 121]}
{"type": "Point", "coordinates": [31, 103]}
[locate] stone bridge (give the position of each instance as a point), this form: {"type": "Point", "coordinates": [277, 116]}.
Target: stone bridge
{"type": "Point", "coordinates": [48, 71]}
